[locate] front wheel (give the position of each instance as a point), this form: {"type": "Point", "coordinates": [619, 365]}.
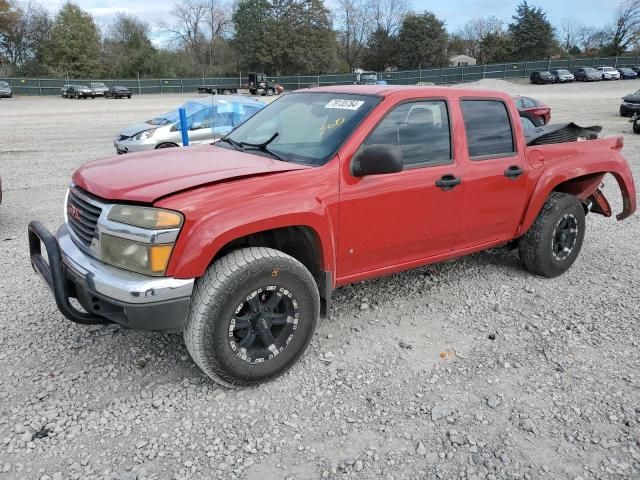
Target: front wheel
{"type": "Point", "coordinates": [554, 240]}
{"type": "Point", "coordinates": [636, 126]}
{"type": "Point", "coordinates": [252, 316]}
{"type": "Point", "coordinates": [270, 92]}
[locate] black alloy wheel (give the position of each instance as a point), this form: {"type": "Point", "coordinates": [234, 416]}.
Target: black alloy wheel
{"type": "Point", "coordinates": [264, 324]}
{"type": "Point", "coordinates": [564, 236]}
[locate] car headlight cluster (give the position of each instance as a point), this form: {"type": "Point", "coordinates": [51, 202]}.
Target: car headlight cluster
{"type": "Point", "coordinates": [148, 258]}
{"type": "Point", "coordinates": [144, 134]}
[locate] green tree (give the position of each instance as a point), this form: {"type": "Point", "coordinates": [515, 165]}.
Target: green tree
{"type": "Point", "coordinates": [532, 35]}
{"type": "Point", "coordinates": [422, 41]}
{"type": "Point", "coordinates": [128, 51]}
{"type": "Point", "coordinates": [284, 36]}
{"type": "Point", "coordinates": [74, 46]}
{"type": "Point", "coordinates": [495, 47]}
{"type": "Point", "coordinates": [382, 51]}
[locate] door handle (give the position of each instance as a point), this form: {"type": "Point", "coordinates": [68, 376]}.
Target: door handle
{"type": "Point", "coordinates": [447, 182]}
{"type": "Point", "coordinates": [513, 172]}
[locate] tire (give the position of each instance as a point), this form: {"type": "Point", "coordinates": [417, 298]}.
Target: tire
{"type": "Point", "coordinates": [541, 248]}
{"type": "Point", "coordinates": [225, 291]}
{"type": "Point", "coordinates": [636, 127]}
{"type": "Point", "coordinates": [166, 145]}
{"type": "Point", "coordinates": [129, 97]}
{"type": "Point", "coordinates": [270, 92]}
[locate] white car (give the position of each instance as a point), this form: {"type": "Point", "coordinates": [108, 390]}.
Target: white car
{"type": "Point", "coordinates": [208, 119]}
{"type": "Point", "coordinates": [609, 73]}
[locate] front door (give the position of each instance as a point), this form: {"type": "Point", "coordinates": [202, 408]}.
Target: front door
{"type": "Point", "coordinates": [394, 219]}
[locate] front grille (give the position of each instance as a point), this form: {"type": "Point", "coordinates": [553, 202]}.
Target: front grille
{"type": "Point", "coordinates": [82, 217]}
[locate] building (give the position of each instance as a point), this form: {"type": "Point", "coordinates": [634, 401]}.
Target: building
{"type": "Point", "coordinates": [461, 61]}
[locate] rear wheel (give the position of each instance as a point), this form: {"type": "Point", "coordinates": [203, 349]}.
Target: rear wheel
{"type": "Point", "coordinates": [554, 240]}
{"type": "Point", "coordinates": [636, 127]}
{"type": "Point", "coordinates": [270, 92]}
{"type": "Point", "coordinates": [252, 315]}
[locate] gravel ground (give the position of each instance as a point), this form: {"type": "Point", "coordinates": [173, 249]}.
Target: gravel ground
{"type": "Point", "coordinates": [469, 369]}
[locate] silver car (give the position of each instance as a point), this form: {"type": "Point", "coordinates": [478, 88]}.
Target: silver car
{"type": "Point", "coordinates": [208, 119]}
{"type": "Point", "coordinates": [5, 90]}
{"type": "Point", "coordinates": [98, 88]}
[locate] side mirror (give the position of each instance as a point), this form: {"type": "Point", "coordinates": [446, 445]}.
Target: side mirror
{"type": "Point", "coordinates": [377, 159]}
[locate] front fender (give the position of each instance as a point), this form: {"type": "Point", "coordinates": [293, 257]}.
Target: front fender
{"type": "Point", "coordinates": [217, 215]}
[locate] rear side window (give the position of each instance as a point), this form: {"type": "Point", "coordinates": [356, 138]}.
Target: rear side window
{"type": "Point", "coordinates": [488, 127]}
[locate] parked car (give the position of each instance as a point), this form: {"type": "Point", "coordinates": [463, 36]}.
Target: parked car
{"type": "Point", "coordinates": [64, 91]}
{"type": "Point", "coordinates": [80, 91]}
{"type": "Point", "coordinates": [542, 77]}
{"type": "Point", "coordinates": [630, 104]}
{"type": "Point", "coordinates": [608, 73]}
{"type": "Point", "coordinates": [587, 74]}
{"type": "Point", "coordinates": [5, 90]}
{"type": "Point", "coordinates": [98, 88]}
{"type": "Point", "coordinates": [562, 76]}
{"type": "Point", "coordinates": [117, 91]}
{"type": "Point", "coordinates": [236, 243]}
{"type": "Point", "coordinates": [636, 68]}
{"type": "Point", "coordinates": [208, 119]}
{"type": "Point", "coordinates": [540, 111]}
{"type": "Point", "coordinates": [627, 74]}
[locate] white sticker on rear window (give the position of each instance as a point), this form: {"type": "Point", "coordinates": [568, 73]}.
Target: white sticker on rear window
{"type": "Point", "coordinates": [342, 104]}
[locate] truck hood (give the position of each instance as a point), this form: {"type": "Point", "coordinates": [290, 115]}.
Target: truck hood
{"type": "Point", "coordinates": [147, 176]}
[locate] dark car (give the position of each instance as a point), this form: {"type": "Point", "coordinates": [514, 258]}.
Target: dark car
{"type": "Point", "coordinates": [627, 74]}
{"type": "Point", "coordinates": [542, 77]}
{"type": "Point", "coordinates": [630, 104]}
{"type": "Point", "coordinates": [64, 91]}
{"type": "Point", "coordinates": [5, 90]}
{"type": "Point", "coordinates": [117, 92]}
{"type": "Point", "coordinates": [80, 91]}
{"type": "Point", "coordinates": [537, 111]}
{"type": "Point", "coordinates": [587, 74]}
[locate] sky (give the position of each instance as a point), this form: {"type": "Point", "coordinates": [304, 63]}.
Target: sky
{"type": "Point", "coordinates": [455, 13]}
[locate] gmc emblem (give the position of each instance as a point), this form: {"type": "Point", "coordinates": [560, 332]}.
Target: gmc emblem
{"type": "Point", "coordinates": [74, 212]}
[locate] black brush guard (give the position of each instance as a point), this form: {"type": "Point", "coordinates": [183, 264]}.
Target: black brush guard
{"type": "Point", "coordinates": [53, 273]}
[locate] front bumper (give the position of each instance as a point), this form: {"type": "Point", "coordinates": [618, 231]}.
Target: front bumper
{"type": "Point", "coordinates": [131, 146]}
{"type": "Point", "coordinates": [108, 294]}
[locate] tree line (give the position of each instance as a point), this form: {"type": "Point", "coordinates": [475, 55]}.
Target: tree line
{"type": "Point", "coordinates": [213, 38]}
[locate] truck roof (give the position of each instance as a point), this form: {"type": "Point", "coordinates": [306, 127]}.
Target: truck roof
{"type": "Point", "coordinates": [408, 91]}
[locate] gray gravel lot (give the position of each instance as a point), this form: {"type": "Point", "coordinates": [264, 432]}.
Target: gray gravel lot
{"type": "Point", "coordinates": [469, 369]}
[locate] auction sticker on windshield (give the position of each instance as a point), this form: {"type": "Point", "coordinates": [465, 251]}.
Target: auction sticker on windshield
{"type": "Point", "coordinates": [342, 104]}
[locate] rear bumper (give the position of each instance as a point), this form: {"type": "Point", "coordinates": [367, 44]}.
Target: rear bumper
{"type": "Point", "coordinates": [106, 293]}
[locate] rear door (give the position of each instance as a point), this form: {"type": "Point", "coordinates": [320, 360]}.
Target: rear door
{"type": "Point", "coordinates": [495, 180]}
{"type": "Point", "coordinates": [394, 219]}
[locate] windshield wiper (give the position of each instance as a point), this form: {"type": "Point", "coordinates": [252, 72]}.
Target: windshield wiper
{"type": "Point", "coordinates": [264, 146]}
{"type": "Point", "coordinates": [232, 142]}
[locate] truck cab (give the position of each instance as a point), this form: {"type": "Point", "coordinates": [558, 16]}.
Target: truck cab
{"type": "Point", "coordinates": [240, 244]}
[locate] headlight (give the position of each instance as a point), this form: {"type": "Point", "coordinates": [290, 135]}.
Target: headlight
{"type": "Point", "coordinates": [144, 134]}
{"type": "Point", "coordinates": [145, 217]}
{"type": "Point", "coordinates": [138, 257]}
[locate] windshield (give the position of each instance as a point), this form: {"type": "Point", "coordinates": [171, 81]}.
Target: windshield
{"type": "Point", "coordinates": [3, 84]}
{"type": "Point", "coordinates": [545, 73]}
{"type": "Point", "coordinates": [564, 72]}
{"type": "Point", "coordinates": [98, 85]}
{"type": "Point", "coordinates": [309, 127]}
{"type": "Point", "coordinates": [590, 70]}
{"type": "Point", "coordinates": [173, 116]}
{"type": "Point", "coordinates": [82, 86]}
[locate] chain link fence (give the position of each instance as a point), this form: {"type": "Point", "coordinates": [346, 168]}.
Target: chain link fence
{"type": "Point", "coordinates": [53, 86]}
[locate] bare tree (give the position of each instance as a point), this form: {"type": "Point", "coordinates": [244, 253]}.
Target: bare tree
{"type": "Point", "coordinates": [198, 25]}
{"type": "Point", "coordinates": [388, 15]}
{"type": "Point", "coordinates": [353, 22]}
{"type": "Point", "coordinates": [570, 31]}
{"type": "Point", "coordinates": [625, 31]}
{"type": "Point", "coordinates": [478, 29]}
{"type": "Point", "coordinates": [592, 39]}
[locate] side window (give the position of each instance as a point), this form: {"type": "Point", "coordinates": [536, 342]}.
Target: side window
{"type": "Point", "coordinates": [420, 129]}
{"type": "Point", "coordinates": [488, 128]}
{"type": "Point", "coordinates": [528, 102]}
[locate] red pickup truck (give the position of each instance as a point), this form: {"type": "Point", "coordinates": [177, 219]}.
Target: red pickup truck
{"type": "Point", "coordinates": [239, 244]}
